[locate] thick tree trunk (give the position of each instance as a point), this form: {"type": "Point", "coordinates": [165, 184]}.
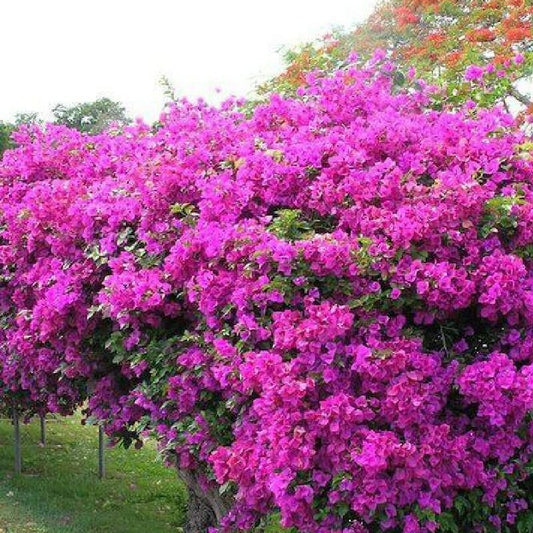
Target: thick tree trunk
{"type": "Point", "coordinates": [205, 509]}
{"type": "Point", "coordinates": [200, 517]}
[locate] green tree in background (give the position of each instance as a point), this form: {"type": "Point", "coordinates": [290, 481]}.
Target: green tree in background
{"type": "Point", "coordinates": [91, 117]}
{"type": "Point", "coordinates": [87, 117]}
{"type": "Point", "coordinates": [5, 136]}
{"type": "Point", "coordinates": [27, 118]}
{"type": "Point", "coordinates": [7, 128]}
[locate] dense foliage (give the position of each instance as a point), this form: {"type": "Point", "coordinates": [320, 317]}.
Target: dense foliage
{"type": "Point", "coordinates": [441, 39]}
{"type": "Point", "coordinates": [323, 308]}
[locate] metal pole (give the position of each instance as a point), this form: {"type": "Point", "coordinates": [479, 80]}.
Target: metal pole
{"type": "Point", "coordinates": [101, 458]}
{"type": "Point", "coordinates": [18, 454]}
{"type": "Point", "coordinates": [43, 430]}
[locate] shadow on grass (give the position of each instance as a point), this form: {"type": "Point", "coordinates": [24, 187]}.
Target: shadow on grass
{"type": "Point", "coordinates": [59, 491]}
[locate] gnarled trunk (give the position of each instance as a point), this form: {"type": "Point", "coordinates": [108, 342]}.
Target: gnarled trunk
{"type": "Point", "coordinates": [205, 508]}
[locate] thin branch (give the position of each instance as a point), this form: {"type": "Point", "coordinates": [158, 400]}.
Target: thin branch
{"type": "Point", "coordinates": [522, 98]}
{"type": "Point", "coordinates": [444, 344]}
{"type": "Point", "coordinates": [506, 106]}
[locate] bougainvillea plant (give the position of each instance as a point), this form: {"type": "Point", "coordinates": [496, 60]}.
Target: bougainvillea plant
{"type": "Point", "coordinates": [441, 39]}
{"type": "Point", "coordinates": [322, 309]}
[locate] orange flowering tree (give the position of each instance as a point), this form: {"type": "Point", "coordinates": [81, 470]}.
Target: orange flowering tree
{"type": "Point", "coordinates": [441, 39]}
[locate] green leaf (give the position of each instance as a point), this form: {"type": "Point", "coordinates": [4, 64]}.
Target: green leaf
{"type": "Point", "coordinates": [447, 523]}
{"type": "Point", "coordinates": [524, 523]}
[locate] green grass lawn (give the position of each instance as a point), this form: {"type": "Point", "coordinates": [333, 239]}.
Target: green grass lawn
{"type": "Point", "coordinates": [59, 491]}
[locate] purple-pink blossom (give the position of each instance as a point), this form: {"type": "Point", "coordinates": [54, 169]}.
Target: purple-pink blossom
{"type": "Point", "coordinates": [323, 305]}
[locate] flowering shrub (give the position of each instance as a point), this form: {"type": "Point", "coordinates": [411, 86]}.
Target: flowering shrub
{"type": "Point", "coordinates": [324, 308]}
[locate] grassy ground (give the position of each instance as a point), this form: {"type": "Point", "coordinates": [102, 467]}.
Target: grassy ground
{"type": "Point", "coordinates": [59, 491]}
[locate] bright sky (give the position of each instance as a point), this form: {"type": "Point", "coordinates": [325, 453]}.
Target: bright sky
{"type": "Point", "coordinates": [70, 51]}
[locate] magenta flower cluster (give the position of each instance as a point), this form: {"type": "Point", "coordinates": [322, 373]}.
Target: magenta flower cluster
{"type": "Point", "coordinates": [321, 307]}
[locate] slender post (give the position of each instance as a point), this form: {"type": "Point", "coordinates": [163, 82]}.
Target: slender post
{"type": "Point", "coordinates": [101, 458]}
{"type": "Point", "coordinates": [43, 430]}
{"type": "Point", "coordinates": [18, 454]}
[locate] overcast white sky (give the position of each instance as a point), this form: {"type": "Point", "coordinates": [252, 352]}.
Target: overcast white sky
{"type": "Point", "coordinates": [69, 51]}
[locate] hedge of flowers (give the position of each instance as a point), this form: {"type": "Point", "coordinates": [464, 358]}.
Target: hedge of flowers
{"type": "Point", "coordinates": [322, 308]}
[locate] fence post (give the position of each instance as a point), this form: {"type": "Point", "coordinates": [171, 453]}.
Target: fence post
{"type": "Point", "coordinates": [18, 454]}
{"type": "Point", "coordinates": [43, 430]}
{"type": "Point", "coordinates": [101, 457]}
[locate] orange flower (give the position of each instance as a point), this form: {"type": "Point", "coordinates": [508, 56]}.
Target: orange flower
{"type": "Point", "coordinates": [423, 4]}
{"type": "Point", "coordinates": [453, 58]}
{"type": "Point", "coordinates": [481, 35]}
{"type": "Point", "coordinates": [436, 38]}
{"type": "Point", "coordinates": [514, 35]}
{"type": "Point", "coordinates": [413, 51]}
{"type": "Point", "coordinates": [405, 17]}
{"type": "Point", "coordinates": [500, 59]}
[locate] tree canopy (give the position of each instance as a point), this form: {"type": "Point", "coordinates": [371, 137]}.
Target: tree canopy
{"type": "Point", "coordinates": [440, 38]}
{"type": "Point", "coordinates": [320, 304]}
{"type": "Point", "coordinates": [91, 117]}
{"type": "Point", "coordinates": [323, 308]}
